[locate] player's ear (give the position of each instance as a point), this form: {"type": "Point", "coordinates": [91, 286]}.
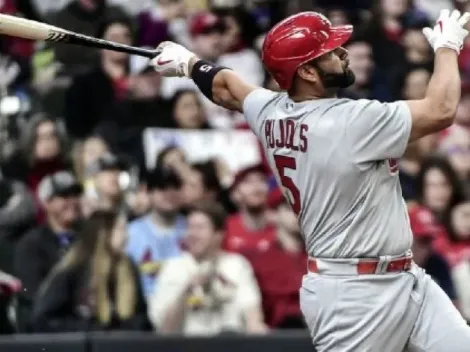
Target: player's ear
{"type": "Point", "coordinates": [308, 73]}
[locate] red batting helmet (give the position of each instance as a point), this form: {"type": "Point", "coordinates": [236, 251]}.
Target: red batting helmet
{"type": "Point", "coordinates": [297, 40]}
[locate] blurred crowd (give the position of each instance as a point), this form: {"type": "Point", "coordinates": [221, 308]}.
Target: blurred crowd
{"type": "Point", "coordinates": [91, 238]}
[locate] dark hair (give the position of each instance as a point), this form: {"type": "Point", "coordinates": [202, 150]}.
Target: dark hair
{"type": "Point", "coordinates": [92, 252]}
{"type": "Point", "coordinates": [179, 93]}
{"type": "Point", "coordinates": [443, 165]}
{"type": "Point", "coordinates": [163, 178]}
{"type": "Point", "coordinates": [210, 180]}
{"type": "Point", "coordinates": [249, 29]}
{"type": "Point", "coordinates": [29, 137]}
{"type": "Point", "coordinates": [447, 223]}
{"type": "Point", "coordinates": [161, 156]}
{"type": "Point", "coordinates": [214, 211]}
{"type": "Point", "coordinates": [117, 18]}
{"type": "Point", "coordinates": [176, 98]}
{"type": "Point", "coordinates": [399, 84]}
{"type": "Point", "coordinates": [91, 231]}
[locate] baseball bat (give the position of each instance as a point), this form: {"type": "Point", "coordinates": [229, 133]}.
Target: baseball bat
{"type": "Point", "coordinates": [28, 29]}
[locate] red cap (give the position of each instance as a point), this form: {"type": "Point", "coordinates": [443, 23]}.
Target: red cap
{"type": "Point", "coordinates": [423, 223]}
{"type": "Point", "coordinates": [205, 22]}
{"type": "Point", "coordinates": [242, 173]}
{"type": "Point", "coordinates": [297, 40]}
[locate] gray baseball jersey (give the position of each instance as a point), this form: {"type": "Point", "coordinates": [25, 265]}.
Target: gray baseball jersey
{"type": "Point", "coordinates": [336, 161]}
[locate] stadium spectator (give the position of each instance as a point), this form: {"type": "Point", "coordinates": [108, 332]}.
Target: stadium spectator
{"type": "Point", "coordinates": [206, 31]}
{"type": "Point", "coordinates": [462, 117]}
{"type": "Point", "coordinates": [86, 153]}
{"type": "Point", "coordinates": [456, 147]}
{"type": "Point", "coordinates": [85, 17]}
{"type": "Point", "coordinates": [93, 95]}
{"type": "Point", "coordinates": [206, 291]}
{"type": "Point", "coordinates": [384, 32]}
{"type": "Point", "coordinates": [202, 184]}
{"type": "Point", "coordinates": [250, 230]}
{"type": "Point", "coordinates": [43, 152]}
{"type": "Point", "coordinates": [107, 192]}
{"type": "Point", "coordinates": [415, 83]}
{"type": "Point", "coordinates": [165, 20]}
{"type": "Point", "coordinates": [9, 286]}
{"type": "Point", "coordinates": [461, 277]}
{"type": "Point", "coordinates": [95, 286]}
{"type": "Point", "coordinates": [360, 55]}
{"type": "Point", "coordinates": [414, 87]}
{"type": "Point", "coordinates": [16, 47]}
{"type": "Point", "coordinates": [438, 187]}
{"type": "Point", "coordinates": [455, 246]}
{"type": "Point", "coordinates": [417, 49]}
{"type": "Point", "coordinates": [279, 271]}
{"type": "Point", "coordinates": [464, 57]}
{"type": "Point", "coordinates": [174, 158]}
{"type": "Point", "coordinates": [238, 38]}
{"type": "Point", "coordinates": [158, 236]}
{"type": "Point", "coordinates": [17, 214]}
{"type": "Point", "coordinates": [42, 247]}
{"type": "Point", "coordinates": [425, 230]}
{"type": "Point", "coordinates": [188, 111]}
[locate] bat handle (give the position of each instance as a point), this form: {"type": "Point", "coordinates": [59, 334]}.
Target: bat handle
{"type": "Point", "coordinates": [149, 53]}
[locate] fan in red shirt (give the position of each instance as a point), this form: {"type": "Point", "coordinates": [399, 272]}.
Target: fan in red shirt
{"type": "Point", "coordinates": [455, 244]}
{"type": "Point", "coordinates": [280, 269]}
{"type": "Point", "coordinates": [249, 229]}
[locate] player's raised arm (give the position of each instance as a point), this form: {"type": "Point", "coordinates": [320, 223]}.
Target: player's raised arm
{"type": "Point", "coordinates": [437, 110]}
{"type": "Point", "coordinates": [221, 85]}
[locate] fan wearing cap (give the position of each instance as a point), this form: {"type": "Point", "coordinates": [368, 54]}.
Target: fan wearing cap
{"type": "Point", "coordinates": [249, 229]}
{"type": "Point", "coordinates": [158, 235]}
{"type": "Point", "coordinates": [425, 230]}
{"type": "Point", "coordinates": [41, 248]}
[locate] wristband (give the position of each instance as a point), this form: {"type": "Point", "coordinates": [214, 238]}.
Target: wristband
{"type": "Point", "coordinates": [203, 74]}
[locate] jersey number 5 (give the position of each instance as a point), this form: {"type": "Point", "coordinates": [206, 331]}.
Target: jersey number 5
{"type": "Point", "coordinates": [283, 163]}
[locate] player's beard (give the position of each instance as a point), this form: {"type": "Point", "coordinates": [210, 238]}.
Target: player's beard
{"type": "Point", "coordinates": [335, 81]}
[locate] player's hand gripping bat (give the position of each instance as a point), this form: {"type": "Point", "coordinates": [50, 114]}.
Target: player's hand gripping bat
{"type": "Point", "coordinates": [28, 29]}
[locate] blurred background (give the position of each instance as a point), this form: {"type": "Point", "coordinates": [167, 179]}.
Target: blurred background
{"type": "Point", "coordinates": [129, 202]}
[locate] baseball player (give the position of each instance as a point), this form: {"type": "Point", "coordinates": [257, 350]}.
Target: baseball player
{"type": "Point", "coordinates": [336, 160]}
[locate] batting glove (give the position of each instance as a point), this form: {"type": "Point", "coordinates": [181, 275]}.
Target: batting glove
{"type": "Point", "coordinates": [449, 31]}
{"type": "Point", "coordinates": [173, 60]}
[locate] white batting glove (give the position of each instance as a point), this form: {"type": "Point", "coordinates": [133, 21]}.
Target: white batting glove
{"type": "Point", "coordinates": [173, 60]}
{"type": "Point", "coordinates": [449, 31]}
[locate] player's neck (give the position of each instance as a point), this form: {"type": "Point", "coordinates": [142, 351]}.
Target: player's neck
{"type": "Point", "coordinates": [300, 97]}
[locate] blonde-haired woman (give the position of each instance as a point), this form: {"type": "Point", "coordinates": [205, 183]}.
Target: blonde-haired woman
{"type": "Point", "coordinates": [95, 286]}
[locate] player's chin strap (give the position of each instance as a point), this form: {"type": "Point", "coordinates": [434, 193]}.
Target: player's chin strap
{"type": "Point", "coordinates": [203, 74]}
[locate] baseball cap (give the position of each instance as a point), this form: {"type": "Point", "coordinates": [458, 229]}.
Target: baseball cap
{"type": "Point", "coordinates": [163, 178]}
{"type": "Point", "coordinates": [107, 161]}
{"type": "Point", "coordinates": [59, 184]}
{"type": "Point", "coordinates": [242, 173]}
{"type": "Point", "coordinates": [423, 223]}
{"type": "Point", "coordinates": [204, 23]}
